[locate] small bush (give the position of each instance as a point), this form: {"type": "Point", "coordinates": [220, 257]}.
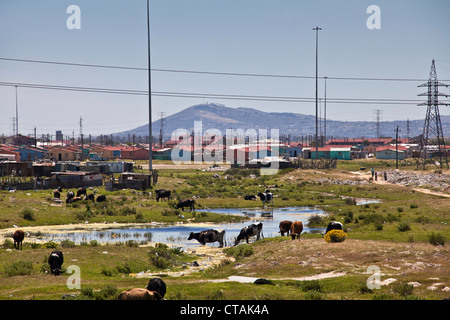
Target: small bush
{"type": "Point", "coordinates": [18, 268]}
{"type": "Point", "coordinates": [239, 252]}
{"type": "Point", "coordinates": [378, 226]}
{"type": "Point", "coordinates": [67, 244]}
{"type": "Point", "coordinates": [403, 227]}
{"type": "Point", "coordinates": [162, 257]}
{"type": "Point", "coordinates": [403, 289]}
{"type": "Point", "coordinates": [335, 236]}
{"type": "Point", "coordinates": [436, 239]}
{"type": "Point", "coordinates": [315, 220]}
{"type": "Point", "coordinates": [413, 206]}
{"type": "Point", "coordinates": [28, 214]}
{"type": "Point", "coordinates": [312, 285]}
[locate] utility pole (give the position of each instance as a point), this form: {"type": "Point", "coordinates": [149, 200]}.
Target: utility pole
{"type": "Point", "coordinates": [325, 113]}
{"type": "Point", "coordinates": [161, 128]}
{"type": "Point", "coordinates": [150, 140]}
{"type": "Point", "coordinates": [81, 137]}
{"type": "Point", "coordinates": [396, 148]}
{"type": "Point", "coordinates": [317, 84]}
{"type": "Point", "coordinates": [17, 116]}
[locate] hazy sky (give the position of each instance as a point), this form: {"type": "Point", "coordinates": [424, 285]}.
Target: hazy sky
{"type": "Point", "coordinates": [271, 37]}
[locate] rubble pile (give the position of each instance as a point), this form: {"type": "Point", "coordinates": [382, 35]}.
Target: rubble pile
{"type": "Point", "coordinates": [437, 181]}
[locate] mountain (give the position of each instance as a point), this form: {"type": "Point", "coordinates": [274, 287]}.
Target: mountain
{"type": "Point", "coordinates": [217, 116]}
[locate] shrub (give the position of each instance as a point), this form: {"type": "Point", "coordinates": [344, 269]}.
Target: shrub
{"type": "Point", "coordinates": [18, 268]}
{"type": "Point", "coordinates": [28, 214]}
{"type": "Point", "coordinates": [312, 285]}
{"type": "Point", "coordinates": [239, 252]}
{"type": "Point", "coordinates": [315, 220]}
{"type": "Point", "coordinates": [413, 206]}
{"type": "Point", "coordinates": [335, 236]}
{"type": "Point", "coordinates": [67, 244]}
{"type": "Point", "coordinates": [162, 257]}
{"type": "Point", "coordinates": [403, 227]}
{"type": "Point", "coordinates": [403, 289]}
{"type": "Point", "coordinates": [436, 239]}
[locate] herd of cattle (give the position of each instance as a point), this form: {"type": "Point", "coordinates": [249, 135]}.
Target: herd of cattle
{"type": "Point", "coordinates": [156, 287]}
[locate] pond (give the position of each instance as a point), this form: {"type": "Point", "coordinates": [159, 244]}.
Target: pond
{"type": "Point", "coordinates": [177, 234]}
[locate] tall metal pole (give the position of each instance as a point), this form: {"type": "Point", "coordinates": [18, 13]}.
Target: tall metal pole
{"type": "Point", "coordinates": [317, 92]}
{"type": "Point", "coordinates": [17, 116]}
{"type": "Point", "coordinates": [325, 111]}
{"type": "Point", "coordinates": [150, 140]}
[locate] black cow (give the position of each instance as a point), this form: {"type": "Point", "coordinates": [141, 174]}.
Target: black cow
{"type": "Point", "coordinates": [266, 197]}
{"type": "Point", "coordinates": [208, 236]}
{"type": "Point", "coordinates": [250, 197]}
{"type": "Point", "coordinates": [252, 230]}
{"type": "Point", "coordinates": [186, 203]}
{"type": "Point", "coordinates": [70, 196]}
{"type": "Point", "coordinates": [157, 285]}
{"type": "Point", "coordinates": [333, 225]}
{"type": "Point", "coordinates": [57, 192]}
{"type": "Point", "coordinates": [101, 198]}
{"type": "Point", "coordinates": [55, 261]}
{"type": "Point", "coordinates": [90, 196]}
{"type": "Point", "coordinates": [162, 193]}
{"type": "Point", "coordinates": [81, 191]}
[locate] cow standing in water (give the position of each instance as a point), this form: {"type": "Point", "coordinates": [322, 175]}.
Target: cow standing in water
{"type": "Point", "coordinates": [252, 230]}
{"type": "Point", "coordinates": [208, 236]}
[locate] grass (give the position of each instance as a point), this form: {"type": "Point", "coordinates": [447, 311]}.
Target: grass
{"type": "Point", "coordinates": [406, 228]}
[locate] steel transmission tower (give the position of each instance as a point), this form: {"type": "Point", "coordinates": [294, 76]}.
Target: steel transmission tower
{"type": "Point", "coordinates": [432, 128]}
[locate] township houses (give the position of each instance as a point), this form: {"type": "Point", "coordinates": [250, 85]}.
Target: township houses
{"type": "Point", "coordinates": [9, 153]}
{"type": "Point", "coordinates": [390, 152]}
{"type": "Point", "coordinates": [64, 153]}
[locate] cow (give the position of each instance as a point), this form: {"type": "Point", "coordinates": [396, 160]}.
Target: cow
{"type": "Point", "coordinates": [139, 294]}
{"type": "Point", "coordinates": [162, 193]}
{"type": "Point", "coordinates": [74, 199]}
{"type": "Point", "coordinates": [157, 285]}
{"type": "Point", "coordinates": [296, 229]}
{"type": "Point", "coordinates": [18, 237]}
{"type": "Point", "coordinates": [70, 195]}
{"type": "Point", "coordinates": [250, 197]}
{"type": "Point", "coordinates": [57, 193]}
{"type": "Point", "coordinates": [266, 197]}
{"type": "Point", "coordinates": [90, 196]}
{"type": "Point", "coordinates": [333, 225]}
{"type": "Point", "coordinates": [55, 260]}
{"type": "Point", "coordinates": [208, 236]}
{"type": "Point", "coordinates": [285, 227]}
{"type": "Point", "coordinates": [186, 203]}
{"type": "Point", "coordinates": [101, 198]}
{"type": "Point", "coordinates": [81, 191]}
{"type": "Point", "coordinates": [252, 230]}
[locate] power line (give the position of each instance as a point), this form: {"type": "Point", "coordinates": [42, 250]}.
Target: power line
{"type": "Point", "coordinates": [208, 72]}
{"type": "Point", "coordinates": [210, 95]}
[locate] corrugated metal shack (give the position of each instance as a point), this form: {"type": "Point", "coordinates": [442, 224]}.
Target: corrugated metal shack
{"type": "Point", "coordinates": [76, 179]}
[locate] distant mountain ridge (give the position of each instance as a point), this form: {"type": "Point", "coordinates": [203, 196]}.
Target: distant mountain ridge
{"type": "Point", "coordinates": [217, 116]}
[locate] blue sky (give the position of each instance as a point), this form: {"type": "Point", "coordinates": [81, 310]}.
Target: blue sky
{"type": "Point", "coordinates": [235, 36]}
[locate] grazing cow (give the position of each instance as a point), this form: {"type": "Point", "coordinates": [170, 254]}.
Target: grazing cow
{"type": "Point", "coordinates": [57, 193]}
{"type": "Point", "coordinates": [139, 294]}
{"type": "Point", "coordinates": [157, 285]}
{"type": "Point", "coordinates": [55, 261]}
{"type": "Point", "coordinates": [252, 230]}
{"type": "Point", "coordinates": [208, 236]}
{"type": "Point", "coordinates": [18, 237]}
{"type": "Point", "coordinates": [70, 195]}
{"type": "Point", "coordinates": [285, 227]}
{"type": "Point", "coordinates": [101, 198]}
{"type": "Point", "coordinates": [74, 199]}
{"type": "Point", "coordinates": [90, 196]}
{"type": "Point", "coordinates": [266, 197]}
{"type": "Point", "coordinates": [333, 225]}
{"type": "Point", "coordinates": [250, 197]}
{"type": "Point", "coordinates": [81, 191]}
{"type": "Point", "coordinates": [296, 229]}
{"type": "Point", "coordinates": [162, 193]}
{"type": "Point", "coordinates": [186, 203]}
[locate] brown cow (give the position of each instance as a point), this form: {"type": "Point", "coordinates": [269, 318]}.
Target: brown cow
{"type": "Point", "coordinates": [296, 229]}
{"type": "Point", "coordinates": [18, 238]}
{"type": "Point", "coordinates": [285, 227]}
{"type": "Point", "coordinates": [139, 294]}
